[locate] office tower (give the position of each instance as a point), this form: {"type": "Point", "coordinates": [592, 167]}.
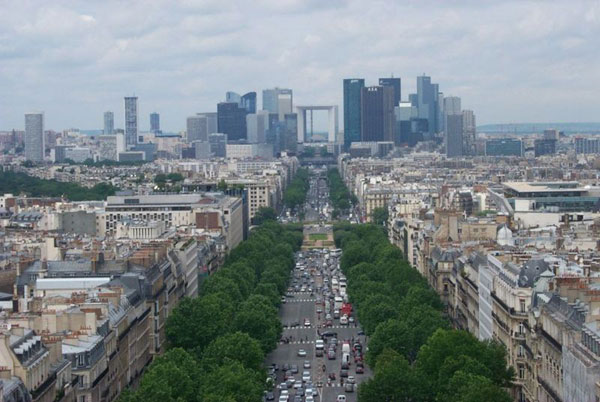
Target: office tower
{"type": "Point", "coordinates": [452, 105]}
{"type": "Point", "coordinates": [248, 102]}
{"type": "Point", "coordinates": [394, 83]}
{"type": "Point", "coordinates": [409, 129]}
{"type": "Point", "coordinates": [352, 125]}
{"type": "Point", "coordinates": [233, 97]}
{"type": "Point", "coordinates": [131, 121]}
{"type": "Point", "coordinates": [440, 112]}
{"type": "Point", "coordinates": [154, 122]}
{"type": "Point", "coordinates": [109, 122]}
{"type": "Point", "coordinates": [256, 126]}
{"type": "Point", "coordinates": [469, 132]}
{"type": "Point", "coordinates": [544, 146]}
{"type": "Point", "coordinates": [377, 114]}
{"type": "Point", "coordinates": [413, 99]}
{"type": "Point", "coordinates": [427, 102]}
{"type": "Point", "coordinates": [218, 144]}
{"type": "Point", "coordinates": [231, 120]}
{"type": "Point", "coordinates": [504, 147]}
{"type": "Point", "coordinates": [278, 100]}
{"type": "Point", "coordinates": [202, 149]}
{"type": "Point", "coordinates": [196, 128]}
{"type": "Point", "coordinates": [551, 134]}
{"type": "Point", "coordinates": [454, 135]}
{"type": "Point", "coordinates": [34, 137]}
{"type": "Point", "coordinates": [211, 121]}
{"type": "Point", "coordinates": [291, 132]}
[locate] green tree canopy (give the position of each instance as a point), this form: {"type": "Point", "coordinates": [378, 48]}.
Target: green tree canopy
{"type": "Point", "coordinates": [380, 216]}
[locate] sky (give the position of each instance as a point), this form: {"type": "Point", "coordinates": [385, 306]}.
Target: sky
{"type": "Point", "coordinates": [509, 60]}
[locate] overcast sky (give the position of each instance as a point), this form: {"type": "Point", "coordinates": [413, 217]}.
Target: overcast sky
{"type": "Point", "coordinates": [510, 61]}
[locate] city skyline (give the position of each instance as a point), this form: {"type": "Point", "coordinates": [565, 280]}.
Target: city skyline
{"type": "Point", "coordinates": [513, 67]}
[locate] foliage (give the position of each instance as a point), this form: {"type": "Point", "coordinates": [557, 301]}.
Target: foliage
{"type": "Point", "coordinates": [221, 337]}
{"type": "Point", "coordinates": [21, 183]}
{"type": "Point", "coordinates": [295, 193]}
{"type": "Point", "coordinates": [338, 192]}
{"type": "Point", "coordinates": [264, 214]}
{"type": "Point", "coordinates": [415, 356]}
{"type": "Point", "coordinates": [380, 216]}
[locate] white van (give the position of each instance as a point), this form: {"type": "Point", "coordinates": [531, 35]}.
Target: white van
{"type": "Point", "coordinates": [344, 320]}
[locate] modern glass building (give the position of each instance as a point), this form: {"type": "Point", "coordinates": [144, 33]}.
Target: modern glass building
{"type": "Point", "coordinates": [278, 100]}
{"type": "Point", "coordinates": [131, 121]}
{"type": "Point", "coordinates": [544, 147]}
{"type": "Point", "coordinates": [231, 120]}
{"type": "Point", "coordinates": [504, 147]}
{"type": "Point", "coordinates": [248, 102]}
{"type": "Point", "coordinates": [352, 110]}
{"type": "Point", "coordinates": [196, 129]}
{"type": "Point", "coordinates": [34, 137]}
{"type": "Point", "coordinates": [427, 102]}
{"type": "Point", "coordinates": [154, 122]}
{"type": "Point", "coordinates": [377, 114]}
{"type": "Point", "coordinates": [396, 84]}
{"type": "Point", "coordinates": [109, 123]}
{"type": "Point", "coordinates": [454, 135]}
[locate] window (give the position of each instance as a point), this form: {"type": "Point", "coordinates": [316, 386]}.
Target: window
{"type": "Point", "coordinates": [522, 372]}
{"type": "Point", "coordinates": [521, 351]}
{"type": "Point", "coordinates": [521, 329]}
{"type": "Point", "coordinates": [522, 305]}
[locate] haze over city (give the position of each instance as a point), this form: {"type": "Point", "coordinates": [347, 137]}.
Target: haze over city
{"type": "Point", "coordinates": [511, 61]}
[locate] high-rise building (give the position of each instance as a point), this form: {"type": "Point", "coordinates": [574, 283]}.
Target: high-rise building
{"type": "Point", "coordinates": [291, 132]}
{"type": "Point", "coordinates": [248, 102]}
{"type": "Point", "coordinates": [377, 114]}
{"type": "Point", "coordinates": [352, 110]}
{"type": "Point", "coordinates": [211, 121]}
{"type": "Point", "coordinates": [587, 145]}
{"type": "Point", "coordinates": [543, 146]}
{"type": "Point", "coordinates": [551, 134]}
{"type": "Point", "coordinates": [427, 99]}
{"type": "Point", "coordinates": [451, 106]}
{"type": "Point", "coordinates": [155, 122]}
{"type": "Point", "coordinates": [233, 97]}
{"type": "Point", "coordinates": [231, 120]}
{"type": "Point", "coordinates": [34, 137]}
{"type": "Point", "coordinates": [131, 121]}
{"type": "Point", "coordinates": [504, 147]}
{"type": "Point", "coordinates": [196, 128]}
{"type": "Point", "coordinates": [394, 83]}
{"type": "Point", "coordinates": [469, 132]}
{"type": "Point", "coordinates": [109, 123]}
{"type": "Point", "coordinates": [256, 126]}
{"type": "Point", "coordinates": [218, 144]}
{"type": "Point", "coordinates": [278, 100]}
{"type": "Point", "coordinates": [454, 135]}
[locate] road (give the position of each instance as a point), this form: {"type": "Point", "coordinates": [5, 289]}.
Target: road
{"type": "Point", "coordinates": [317, 204]}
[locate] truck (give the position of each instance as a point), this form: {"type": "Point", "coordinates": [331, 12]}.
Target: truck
{"type": "Point", "coordinates": [346, 309]}
{"type": "Point", "coordinates": [346, 348]}
{"type": "Point", "coordinates": [338, 301]}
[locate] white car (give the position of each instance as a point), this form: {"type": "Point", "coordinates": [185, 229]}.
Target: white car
{"type": "Point", "coordinates": [341, 398]}
{"type": "Point", "coordinates": [309, 398]}
{"type": "Point", "coordinates": [306, 376]}
{"type": "Point", "coordinates": [283, 398]}
{"type": "Point", "coordinates": [301, 353]}
{"type": "Point", "coordinates": [306, 322]}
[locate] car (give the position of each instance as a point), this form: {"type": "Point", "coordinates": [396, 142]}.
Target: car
{"type": "Point", "coordinates": [344, 373]}
{"type": "Point", "coordinates": [297, 398]}
{"type": "Point", "coordinates": [328, 334]}
{"type": "Point", "coordinates": [328, 316]}
{"type": "Point", "coordinates": [360, 370]}
{"type": "Point", "coordinates": [285, 367]}
{"type": "Point", "coordinates": [290, 382]}
{"type": "Point", "coordinates": [300, 392]}
{"type": "Point", "coordinates": [350, 319]}
{"type": "Point", "coordinates": [275, 367]}
{"type": "Point", "coordinates": [288, 374]}
{"type": "Point", "coordinates": [309, 398]}
{"type": "Point", "coordinates": [298, 384]}
{"type": "Point", "coordinates": [283, 385]}
{"type": "Point", "coordinates": [306, 376]}
{"type": "Point", "coordinates": [294, 369]}
{"type": "Point", "coordinates": [269, 396]}
{"type": "Point", "coordinates": [349, 387]}
{"type": "Point", "coordinates": [319, 352]}
{"type": "Point", "coordinates": [301, 353]}
{"type": "Point", "coordinates": [283, 299]}
{"type": "Point", "coordinates": [361, 333]}
{"type": "Point", "coordinates": [331, 354]}
{"type": "Point", "coordinates": [306, 322]}
{"type": "Point", "coordinates": [306, 364]}
{"type": "Point", "coordinates": [328, 323]}
{"type": "Point", "coordinates": [283, 398]}
{"type": "Point", "coordinates": [319, 310]}
{"type": "Point", "coordinates": [341, 398]}
{"type": "Point", "coordinates": [351, 379]}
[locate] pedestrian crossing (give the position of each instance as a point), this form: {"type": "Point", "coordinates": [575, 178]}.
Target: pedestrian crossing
{"type": "Point", "coordinates": [336, 385]}
{"type": "Point", "coordinates": [297, 327]}
{"type": "Point", "coordinates": [299, 300]}
{"type": "Point", "coordinates": [300, 342]}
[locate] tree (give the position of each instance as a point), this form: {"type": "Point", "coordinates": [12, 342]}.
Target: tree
{"type": "Point", "coordinates": [260, 321]}
{"type": "Point", "coordinates": [380, 216]}
{"type": "Point", "coordinates": [323, 152]}
{"type": "Point", "coordinates": [237, 346]}
{"type": "Point", "coordinates": [173, 377]}
{"type": "Point", "coordinates": [222, 185]}
{"type": "Point", "coordinates": [375, 310]}
{"type": "Point", "coordinates": [232, 382]}
{"type": "Point", "coordinates": [174, 177]}
{"type": "Point", "coordinates": [394, 380]}
{"type": "Point", "coordinates": [160, 179]}
{"type": "Point", "coordinates": [194, 323]}
{"type": "Point", "coordinates": [467, 387]}
{"type": "Point", "coordinates": [264, 214]}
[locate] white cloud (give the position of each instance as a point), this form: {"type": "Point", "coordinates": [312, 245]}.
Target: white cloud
{"type": "Point", "coordinates": [514, 60]}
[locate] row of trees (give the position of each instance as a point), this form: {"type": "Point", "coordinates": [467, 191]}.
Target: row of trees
{"type": "Point", "coordinates": [218, 341]}
{"type": "Point", "coordinates": [340, 196]}
{"type": "Point", "coordinates": [414, 353]}
{"type": "Point", "coordinates": [21, 183]}
{"type": "Point", "coordinates": [295, 193]}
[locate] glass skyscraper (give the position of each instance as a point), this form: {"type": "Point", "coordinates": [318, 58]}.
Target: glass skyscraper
{"type": "Point", "coordinates": [352, 120]}
{"type": "Point", "coordinates": [248, 102]}
{"type": "Point", "coordinates": [109, 123]}
{"type": "Point", "coordinates": [154, 122]}
{"type": "Point", "coordinates": [427, 99]}
{"type": "Point", "coordinates": [34, 137]}
{"type": "Point", "coordinates": [231, 120]}
{"type": "Point", "coordinates": [131, 121]}
{"type": "Point", "coordinates": [377, 114]}
{"type": "Point", "coordinates": [394, 83]}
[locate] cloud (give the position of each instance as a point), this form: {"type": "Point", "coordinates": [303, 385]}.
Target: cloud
{"type": "Point", "coordinates": [514, 60]}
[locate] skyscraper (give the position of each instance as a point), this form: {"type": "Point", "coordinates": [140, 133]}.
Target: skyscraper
{"type": "Point", "coordinates": [196, 129]}
{"type": "Point", "coordinates": [131, 121]}
{"type": "Point", "coordinates": [394, 83]}
{"type": "Point", "coordinates": [231, 120]}
{"type": "Point", "coordinates": [218, 144]}
{"type": "Point", "coordinates": [248, 102]}
{"type": "Point", "coordinates": [154, 122]}
{"type": "Point", "coordinates": [34, 137]}
{"type": "Point", "coordinates": [231, 96]}
{"type": "Point", "coordinates": [352, 125]}
{"type": "Point", "coordinates": [450, 105]}
{"type": "Point", "coordinates": [278, 100]}
{"type": "Point", "coordinates": [454, 135]}
{"type": "Point", "coordinates": [109, 123]}
{"type": "Point", "coordinates": [256, 126]}
{"type": "Point", "coordinates": [211, 121]}
{"type": "Point", "coordinates": [377, 114]}
{"type": "Point", "coordinates": [469, 132]}
{"type": "Point", "coordinates": [427, 102]}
